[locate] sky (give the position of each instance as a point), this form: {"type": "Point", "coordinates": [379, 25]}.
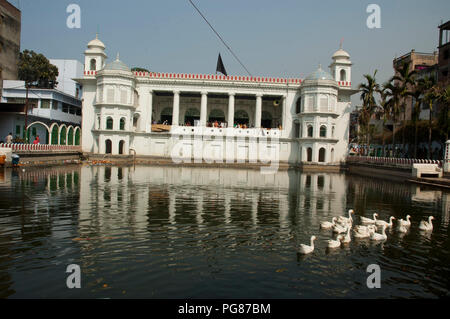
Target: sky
{"type": "Point", "coordinates": [285, 38]}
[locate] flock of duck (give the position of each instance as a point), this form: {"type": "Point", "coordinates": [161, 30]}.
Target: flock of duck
{"type": "Point", "coordinates": [343, 225]}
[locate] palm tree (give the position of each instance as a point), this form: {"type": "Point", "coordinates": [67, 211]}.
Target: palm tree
{"type": "Point", "coordinates": [406, 79]}
{"type": "Point", "coordinates": [384, 109]}
{"type": "Point", "coordinates": [444, 114]}
{"type": "Point", "coordinates": [431, 93]}
{"type": "Point", "coordinates": [417, 95]}
{"type": "Point", "coordinates": [369, 103]}
{"type": "Point", "coordinates": [393, 91]}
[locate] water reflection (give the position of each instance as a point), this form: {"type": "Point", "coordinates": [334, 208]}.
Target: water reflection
{"type": "Point", "coordinates": [197, 232]}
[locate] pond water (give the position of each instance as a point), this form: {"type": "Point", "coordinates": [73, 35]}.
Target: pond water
{"type": "Point", "coordinates": [172, 232]}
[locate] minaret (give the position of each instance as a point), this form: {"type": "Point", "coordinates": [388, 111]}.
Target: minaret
{"type": "Point", "coordinates": [95, 57]}
{"type": "Point", "coordinates": [341, 67]}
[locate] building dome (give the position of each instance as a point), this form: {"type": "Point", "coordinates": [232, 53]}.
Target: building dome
{"type": "Point", "coordinates": [341, 54]}
{"type": "Point", "coordinates": [117, 65]}
{"type": "Point", "coordinates": [319, 74]}
{"type": "Point", "coordinates": [96, 43]}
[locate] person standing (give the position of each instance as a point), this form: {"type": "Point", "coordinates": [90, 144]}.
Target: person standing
{"type": "Point", "coordinates": [9, 138]}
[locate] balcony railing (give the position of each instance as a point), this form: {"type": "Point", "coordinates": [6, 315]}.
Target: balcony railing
{"type": "Point", "coordinates": [40, 147]}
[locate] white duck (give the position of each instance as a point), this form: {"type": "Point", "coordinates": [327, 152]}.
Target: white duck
{"type": "Point", "coordinates": [339, 229]}
{"type": "Point", "coordinates": [346, 220]}
{"type": "Point", "coordinates": [377, 236]}
{"type": "Point", "coordinates": [382, 222]}
{"type": "Point", "coordinates": [426, 225]}
{"type": "Point", "coordinates": [366, 220]}
{"type": "Point", "coordinates": [305, 249]}
{"type": "Point", "coordinates": [328, 225]}
{"type": "Point", "coordinates": [405, 223]}
{"type": "Point", "coordinates": [347, 238]}
{"type": "Point", "coordinates": [364, 231]}
{"type": "Point", "coordinates": [334, 243]}
{"type": "Point", "coordinates": [402, 229]}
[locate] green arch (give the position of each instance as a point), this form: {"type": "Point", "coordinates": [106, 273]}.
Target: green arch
{"type": "Point", "coordinates": [77, 136]}
{"type": "Point", "coordinates": [54, 140]}
{"type": "Point", "coordinates": [62, 136]}
{"type": "Point", "coordinates": [70, 136]}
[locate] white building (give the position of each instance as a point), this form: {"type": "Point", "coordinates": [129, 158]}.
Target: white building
{"type": "Point", "coordinates": [292, 119]}
{"type": "Point", "coordinates": [67, 71]}
{"type": "Point", "coordinates": [52, 114]}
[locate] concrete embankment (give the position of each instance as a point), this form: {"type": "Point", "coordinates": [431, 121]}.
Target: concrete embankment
{"type": "Point", "coordinates": [398, 174]}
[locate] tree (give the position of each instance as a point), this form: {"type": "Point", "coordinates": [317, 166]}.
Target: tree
{"type": "Point", "coordinates": [369, 103]}
{"type": "Point", "coordinates": [444, 113]}
{"type": "Point", "coordinates": [36, 71]}
{"type": "Point", "coordinates": [384, 109]}
{"type": "Point", "coordinates": [431, 93]}
{"type": "Point", "coordinates": [393, 91]}
{"type": "Point", "coordinates": [417, 95]}
{"type": "Point", "coordinates": [138, 69]}
{"type": "Point", "coordinates": [406, 79]}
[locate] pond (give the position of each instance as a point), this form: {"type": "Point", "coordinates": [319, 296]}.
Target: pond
{"type": "Point", "coordinates": [173, 232]}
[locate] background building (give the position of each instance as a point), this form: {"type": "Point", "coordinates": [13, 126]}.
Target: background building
{"type": "Point", "coordinates": [10, 25]}
{"type": "Point", "coordinates": [444, 53]}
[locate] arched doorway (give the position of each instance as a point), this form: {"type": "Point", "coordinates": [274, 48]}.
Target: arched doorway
{"type": "Point", "coordinates": [63, 135]}
{"type": "Point", "coordinates": [241, 117]}
{"type": "Point", "coordinates": [54, 136]}
{"type": "Point", "coordinates": [309, 154]}
{"type": "Point", "coordinates": [216, 115]}
{"type": "Point", "coordinates": [266, 119]}
{"type": "Point", "coordinates": [77, 136]}
{"type": "Point", "coordinates": [191, 116]}
{"type": "Point", "coordinates": [121, 146]}
{"type": "Point", "coordinates": [108, 147]}
{"type": "Point", "coordinates": [322, 155]}
{"type": "Point", "coordinates": [122, 124]}
{"type": "Point", "coordinates": [70, 136]}
{"type": "Point", "coordinates": [38, 129]}
{"type": "Point", "coordinates": [166, 116]}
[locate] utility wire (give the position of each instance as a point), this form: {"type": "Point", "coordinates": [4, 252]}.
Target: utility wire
{"type": "Point", "coordinates": [218, 35]}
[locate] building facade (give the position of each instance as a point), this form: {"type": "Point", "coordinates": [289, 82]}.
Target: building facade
{"type": "Point", "coordinates": [215, 117]}
{"type": "Point", "coordinates": [53, 115]}
{"type": "Point", "coordinates": [10, 27]}
{"type": "Point", "coordinates": [444, 53]}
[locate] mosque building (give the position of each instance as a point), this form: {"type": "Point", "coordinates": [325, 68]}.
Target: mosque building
{"type": "Point", "coordinates": [215, 117]}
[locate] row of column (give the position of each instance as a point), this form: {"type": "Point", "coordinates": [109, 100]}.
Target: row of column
{"type": "Point", "coordinates": [204, 108]}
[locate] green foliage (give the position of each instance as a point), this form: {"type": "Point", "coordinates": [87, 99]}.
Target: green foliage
{"type": "Point", "coordinates": [138, 69]}
{"type": "Point", "coordinates": [36, 70]}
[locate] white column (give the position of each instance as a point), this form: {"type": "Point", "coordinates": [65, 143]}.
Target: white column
{"type": "Point", "coordinates": [148, 126]}
{"type": "Point", "coordinates": [258, 110]}
{"type": "Point", "coordinates": [176, 108]}
{"type": "Point", "coordinates": [231, 109]}
{"type": "Point", "coordinates": [203, 108]}
{"type": "Point", "coordinates": [283, 112]}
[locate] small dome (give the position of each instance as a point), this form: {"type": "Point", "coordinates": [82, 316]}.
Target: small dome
{"type": "Point", "coordinates": [341, 54]}
{"type": "Point", "coordinates": [319, 74]}
{"type": "Point", "coordinates": [117, 65]}
{"type": "Point", "coordinates": [96, 43]}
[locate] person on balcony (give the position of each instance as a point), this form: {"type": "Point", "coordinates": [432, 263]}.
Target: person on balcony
{"type": "Point", "coordinates": [36, 140]}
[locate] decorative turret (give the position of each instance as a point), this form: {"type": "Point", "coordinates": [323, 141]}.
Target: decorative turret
{"type": "Point", "coordinates": [95, 57]}
{"type": "Point", "coordinates": [341, 67]}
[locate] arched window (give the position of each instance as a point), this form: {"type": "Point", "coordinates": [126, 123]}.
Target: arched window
{"type": "Point", "coordinates": [166, 116]}
{"type": "Point", "coordinates": [191, 116]}
{"type": "Point", "coordinates": [93, 65]}
{"type": "Point", "coordinates": [122, 124]}
{"type": "Point", "coordinates": [108, 147]}
{"type": "Point", "coordinates": [241, 117]}
{"type": "Point", "coordinates": [298, 105]}
{"type": "Point", "coordinates": [216, 115]}
{"type": "Point", "coordinates": [121, 146]}
{"type": "Point", "coordinates": [343, 75]}
{"type": "Point", "coordinates": [62, 136]}
{"type": "Point", "coordinates": [136, 121]}
{"type": "Point", "coordinates": [332, 155]}
{"type": "Point", "coordinates": [323, 131]}
{"type": "Point", "coordinates": [70, 136]}
{"type": "Point", "coordinates": [109, 123]}
{"type": "Point", "coordinates": [322, 155]}
{"type": "Point", "coordinates": [310, 131]}
{"type": "Point", "coordinates": [309, 154]}
{"type": "Point", "coordinates": [332, 131]}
